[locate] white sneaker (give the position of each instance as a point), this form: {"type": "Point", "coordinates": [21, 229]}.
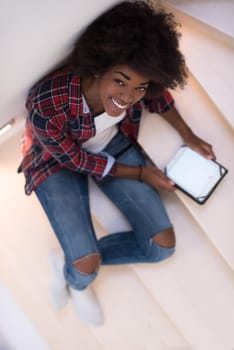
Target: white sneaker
{"type": "Point", "coordinates": [58, 292]}
{"type": "Point", "coordinates": [86, 306]}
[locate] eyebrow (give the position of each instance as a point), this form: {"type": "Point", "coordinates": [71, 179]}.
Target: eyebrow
{"type": "Point", "coordinates": [128, 78]}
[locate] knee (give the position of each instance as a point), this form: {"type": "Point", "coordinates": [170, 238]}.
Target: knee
{"type": "Point", "coordinates": [166, 238]}
{"type": "Point", "coordinates": [164, 245]}
{"type": "Point", "coordinates": [88, 264]}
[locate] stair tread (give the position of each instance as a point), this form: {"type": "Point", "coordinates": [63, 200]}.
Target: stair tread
{"type": "Point", "coordinates": [217, 14]}
{"type": "Point", "coordinates": [204, 50]}
{"type": "Point", "coordinates": [194, 253]}
{"type": "Point", "coordinates": [140, 310]}
{"type": "Point", "coordinates": [194, 257]}
{"type": "Point", "coordinates": [215, 216]}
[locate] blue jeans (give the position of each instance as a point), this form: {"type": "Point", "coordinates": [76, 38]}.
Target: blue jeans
{"type": "Point", "coordinates": [65, 199]}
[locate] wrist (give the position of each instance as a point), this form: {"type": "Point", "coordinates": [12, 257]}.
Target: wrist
{"type": "Point", "coordinates": [187, 135]}
{"type": "Point", "coordinates": [140, 174]}
{"type": "Point", "coordinates": [134, 172]}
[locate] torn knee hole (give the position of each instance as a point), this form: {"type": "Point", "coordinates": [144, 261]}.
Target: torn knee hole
{"type": "Point", "coordinates": [88, 264]}
{"type": "Point", "coordinates": [165, 239]}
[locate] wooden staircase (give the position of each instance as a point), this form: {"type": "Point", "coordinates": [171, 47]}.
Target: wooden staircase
{"type": "Point", "coordinates": [184, 303]}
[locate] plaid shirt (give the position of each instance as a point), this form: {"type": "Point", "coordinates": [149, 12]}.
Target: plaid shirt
{"type": "Point", "coordinates": [57, 126]}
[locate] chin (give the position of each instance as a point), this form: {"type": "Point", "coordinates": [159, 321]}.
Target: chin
{"type": "Point", "coordinates": [116, 114]}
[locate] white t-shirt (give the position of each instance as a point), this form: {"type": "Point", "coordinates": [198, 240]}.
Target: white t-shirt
{"type": "Point", "coordinates": [106, 129]}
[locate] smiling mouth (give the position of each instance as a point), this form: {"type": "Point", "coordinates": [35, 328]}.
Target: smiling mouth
{"type": "Point", "coordinates": [118, 105]}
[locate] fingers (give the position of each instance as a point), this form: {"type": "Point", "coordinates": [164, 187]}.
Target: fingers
{"type": "Point", "coordinates": [205, 150]}
{"type": "Point", "coordinates": [157, 179]}
{"type": "Point", "coordinates": [165, 182]}
{"type": "Point", "coordinates": [209, 153]}
{"type": "Point", "coordinates": [165, 185]}
{"type": "Point", "coordinates": [200, 146]}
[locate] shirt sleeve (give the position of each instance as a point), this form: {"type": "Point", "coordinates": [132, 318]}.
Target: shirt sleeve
{"type": "Point", "coordinates": [109, 165]}
{"type": "Point", "coordinates": [159, 104]}
{"type": "Point", "coordinates": [54, 138]}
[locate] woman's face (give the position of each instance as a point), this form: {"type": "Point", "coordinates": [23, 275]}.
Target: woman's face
{"type": "Point", "coordinates": [119, 88]}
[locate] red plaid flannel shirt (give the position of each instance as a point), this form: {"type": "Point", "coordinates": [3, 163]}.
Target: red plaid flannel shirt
{"type": "Point", "coordinates": [57, 126]}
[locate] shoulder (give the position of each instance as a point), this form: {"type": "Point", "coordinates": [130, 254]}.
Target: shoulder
{"type": "Point", "coordinates": [54, 90]}
{"type": "Point", "coordinates": [160, 103]}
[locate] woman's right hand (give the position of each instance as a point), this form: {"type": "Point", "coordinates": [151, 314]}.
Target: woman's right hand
{"type": "Point", "coordinates": [149, 174]}
{"type": "Point", "coordinates": [154, 177]}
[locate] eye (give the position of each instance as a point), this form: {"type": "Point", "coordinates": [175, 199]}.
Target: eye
{"type": "Point", "coordinates": [119, 82]}
{"type": "Point", "coordinates": [142, 89]}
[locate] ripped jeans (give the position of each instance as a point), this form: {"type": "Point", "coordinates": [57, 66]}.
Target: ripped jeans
{"type": "Point", "coordinates": [65, 199]}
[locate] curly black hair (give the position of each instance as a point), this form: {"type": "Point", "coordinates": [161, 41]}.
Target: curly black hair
{"type": "Point", "coordinates": [136, 34]}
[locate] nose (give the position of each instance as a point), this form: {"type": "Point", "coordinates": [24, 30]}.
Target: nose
{"type": "Point", "coordinates": [128, 95]}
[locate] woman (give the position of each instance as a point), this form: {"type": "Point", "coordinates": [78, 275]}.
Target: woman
{"type": "Point", "coordinates": [83, 119]}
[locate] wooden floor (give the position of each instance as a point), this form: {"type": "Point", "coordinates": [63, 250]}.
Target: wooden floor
{"type": "Point", "coordinates": [184, 303]}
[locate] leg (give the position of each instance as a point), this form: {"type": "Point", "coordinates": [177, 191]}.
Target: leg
{"type": "Point", "coordinates": [58, 291]}
{"type": "Point", "coordinates": [152, 238]}
{"type": "Point", "coordinates": [64, 197]}
{"type": "Point", "coordinates": [165, 238]}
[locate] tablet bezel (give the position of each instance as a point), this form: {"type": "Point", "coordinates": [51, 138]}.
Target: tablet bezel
{"type": "Point", "coordinates": [222, 169]}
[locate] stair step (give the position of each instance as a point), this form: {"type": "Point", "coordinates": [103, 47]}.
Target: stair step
{"type": "Point", "coordinates": [216, 14]}
{"type": "Point", "coordinates": [209, 55]}
{"type": "Point", "coordinates": [160, 141]}
{"type": "Point", "coordinates": [180, 296]}
{"type": "Point", "coordinates": [191, 283]}
{"type": "Point", "coordinates": [175, 298]}
{"type": "Point", "coordinates": [129, 307]}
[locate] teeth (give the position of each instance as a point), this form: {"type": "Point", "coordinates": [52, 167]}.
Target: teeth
{"type": "Point", "coordinates": [118, 105]}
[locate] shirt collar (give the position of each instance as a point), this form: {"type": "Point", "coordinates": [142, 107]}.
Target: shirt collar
{"type": "Point", "coordinates": [75, 96]}
{"type": "Point", "coordinates": [85, 105]}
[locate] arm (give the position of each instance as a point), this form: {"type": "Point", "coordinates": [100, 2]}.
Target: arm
{"type": "Point", "coordinates": [173, 117]}
{"type": "Point", "coordinates": [164, 105]}
{"type": "Point", "coordinates": [149, 174]}
{"type": "Point", "coordinates": [55, 141]}
{"type": "Point", "coordinates": [65, 151]}
{"type": "Point", "coordinates": [153, 175]}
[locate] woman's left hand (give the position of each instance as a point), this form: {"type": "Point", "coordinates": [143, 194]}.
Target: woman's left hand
{"type": "Point", "coordinates": [173, 117]}
{"type": "Point", "coordinates": [200, 146]}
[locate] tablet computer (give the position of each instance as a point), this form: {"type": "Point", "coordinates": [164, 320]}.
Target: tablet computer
{"type": "Point", "coordinates": [194, 174]}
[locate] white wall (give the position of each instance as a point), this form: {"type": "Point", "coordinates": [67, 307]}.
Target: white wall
{"type": "Point", "coordinates": [15, 328]}
{"type": "Point", "coordinates": [35, 36]}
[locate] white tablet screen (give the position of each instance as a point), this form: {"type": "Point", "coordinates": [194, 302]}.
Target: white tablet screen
{"type": "Point", "coordinates": [193, 173]}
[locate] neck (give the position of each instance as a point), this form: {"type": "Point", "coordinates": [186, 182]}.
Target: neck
{"type": "Point", "coordinates": [89, 88]}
